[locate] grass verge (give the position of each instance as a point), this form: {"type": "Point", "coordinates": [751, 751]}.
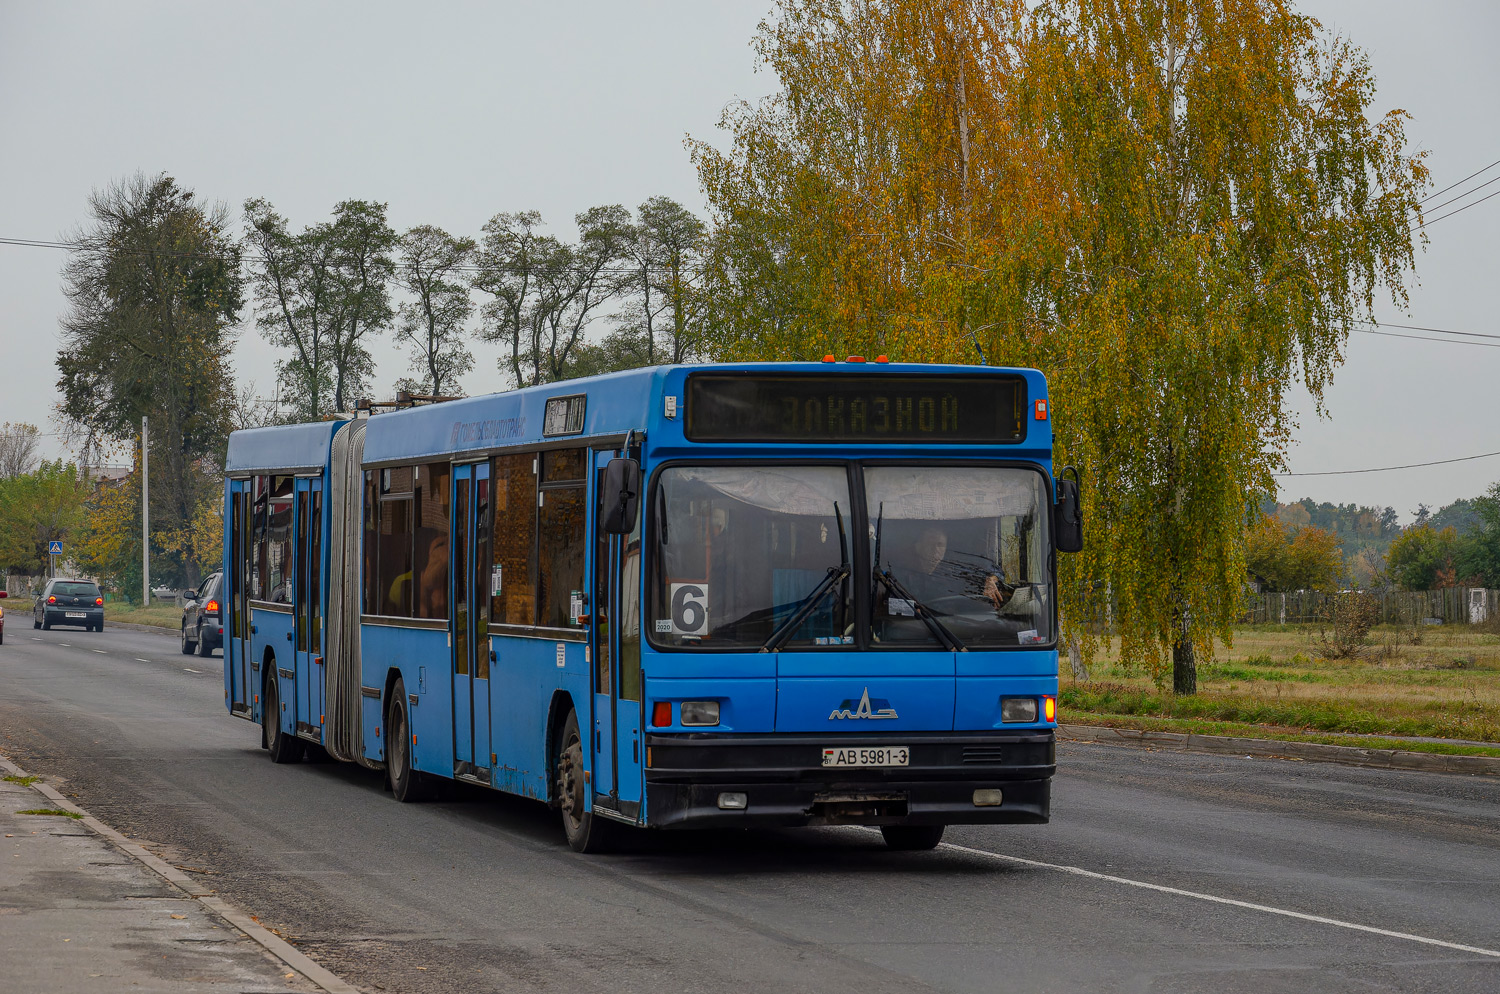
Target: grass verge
{"type": "Point", "coordinates": [1245, 730]}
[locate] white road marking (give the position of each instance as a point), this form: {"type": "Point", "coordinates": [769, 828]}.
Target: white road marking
{"type": "Point", "coordinates": [191, 670]}
{"type": "Point", "coordinates": [68, 644]}
{"type": "Point", "coordinates": [1178, 892]}
{"type": "Point", "coordinates": [36, 638]}
{"type": "Point", "coordinates": [101, 652]}
{"type": "Point", "coordinates": [140, 660]}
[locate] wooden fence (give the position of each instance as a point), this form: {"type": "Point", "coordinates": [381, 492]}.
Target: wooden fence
{"type": "Point", "coordinates": [1451, 606]}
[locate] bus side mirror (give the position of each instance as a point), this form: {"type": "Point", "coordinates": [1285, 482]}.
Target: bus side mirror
{"type": "Point", "coordinates": [1067, 513]}
{"type": "Point", "coordinates": [622, 495]}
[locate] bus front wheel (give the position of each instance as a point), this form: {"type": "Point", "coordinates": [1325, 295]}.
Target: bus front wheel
{"type": "Point", "coordinates": [586, 833]}
{"type": "Point", "coordinates": [912, 838]}
{"type": "Point", "coordinates": [406, 783]}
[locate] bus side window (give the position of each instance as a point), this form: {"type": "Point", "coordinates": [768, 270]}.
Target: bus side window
{"type": "Point", "coordinates": [511, 580]}
{"type": "Point", "coordinates": [371, 596]}
{"type": "Point", "coordinates": [279, 541]}
{"type": "Point", "coordinates": [560, 538]}
{"type": "Point", "coordinates": [630, 614]}
{"type": "Point", "coordinates": [430, 548]}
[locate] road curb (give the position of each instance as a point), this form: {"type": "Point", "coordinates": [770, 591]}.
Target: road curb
{"type": "Point", "coordinates": [1228, 745]}
{"type": "Point", "coordinates": [275, 945]}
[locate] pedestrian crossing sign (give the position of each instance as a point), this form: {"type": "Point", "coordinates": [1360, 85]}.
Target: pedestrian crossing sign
{"type": "Point", "coordinates": [54, 548]}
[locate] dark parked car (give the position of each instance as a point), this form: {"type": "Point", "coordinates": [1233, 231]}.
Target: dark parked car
{"type": "Point", "coordinates": [69, 602]}
{"type": "Point", "coordinates": [203, 618]}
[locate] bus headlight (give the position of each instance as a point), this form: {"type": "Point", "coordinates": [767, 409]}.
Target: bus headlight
{"type": "Point", "coordinates": [700, 712]}
{"type": "Point", "coordinates": [1017, 709]}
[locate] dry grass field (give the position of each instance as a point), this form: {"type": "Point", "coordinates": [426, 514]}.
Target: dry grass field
{"type": "Point", "coordinates": [1440, 682]}
{"type": "Point", "coordinates": [18, 613]}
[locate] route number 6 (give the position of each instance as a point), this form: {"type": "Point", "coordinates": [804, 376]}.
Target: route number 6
{"type": "Point", "coordinates": [689, 608]}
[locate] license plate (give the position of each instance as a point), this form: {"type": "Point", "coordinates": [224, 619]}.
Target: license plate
{"type": "Point", "coordinates": [74, 614]}
{"type": "Point", "coordinates": [867, 756]}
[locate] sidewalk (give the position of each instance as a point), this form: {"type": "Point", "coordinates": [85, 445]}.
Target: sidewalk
{"type": "Point", "coordinates": [77, 914]}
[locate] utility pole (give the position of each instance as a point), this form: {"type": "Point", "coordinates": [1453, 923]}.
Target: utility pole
{"type": "Point", "coordinates": [145, 518]}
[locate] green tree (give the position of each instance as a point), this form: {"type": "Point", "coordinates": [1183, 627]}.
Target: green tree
{"type": "Point", "coordinates": [1478, 552]}
{"type": "Point", "coordinates": [322, 294]}
{"type": "Point", "coordinates": [432, 322]}
{"type": "Point", "coordinates": [1177, 210]}
{"type": "Point", "coordinates": [35, 508]}
{"type": "Point", "coordinates": [545, 293]}
{"type": "Point", "coordinates": [154, 292]}
{"type": "Point", "coordinates": [1420, 555]}
{"type": "Point", "coordinates": [664, 306]}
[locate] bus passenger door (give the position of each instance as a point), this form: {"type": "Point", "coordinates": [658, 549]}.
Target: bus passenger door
{"type": "Point", "coordinates": [307, 608]}
{"type": "Point", "coordinates": [235, 592]}
{"type": "Point", "coordinates": [617, 695]}
{"type": "Point", "coordinates": [469, 621]}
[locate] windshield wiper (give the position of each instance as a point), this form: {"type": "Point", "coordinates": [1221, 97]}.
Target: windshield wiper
{"type": "Point", "coordinates": [836, 575]}
{"type": "Point", "coordinates": [937, 628]}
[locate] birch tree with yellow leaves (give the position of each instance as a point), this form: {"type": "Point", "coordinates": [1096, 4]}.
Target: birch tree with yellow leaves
{"type": "Point", "coordinates": [1176, 209]}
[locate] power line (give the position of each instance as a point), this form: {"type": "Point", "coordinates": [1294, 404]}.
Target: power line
{"type": "Point", "coordinates": [1424, 338]}
{"type": "Point", "coordinates": [1416, 327]}
{"type": "Point", "coordinates": [1454, 200]}
{"type": "Point", "coordinates": [1450, 186]}
{"type": "Point", "coordinates": [1386, 469]}
{"type": "Point", "coordinates": [1456, 210]}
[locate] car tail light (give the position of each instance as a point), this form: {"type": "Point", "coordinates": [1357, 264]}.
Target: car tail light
{"type": "Point", "coordinates": [98, 601]}
{"type": "Point", "coordinates": [212, 607]}
{"type": "Point", "coordinates": [51, 600]}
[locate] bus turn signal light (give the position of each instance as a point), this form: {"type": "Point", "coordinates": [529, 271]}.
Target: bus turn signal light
{"type": "Point", "coordinates": [661, 714]}
{"type": "Point", "coordinates": [1049, 708]}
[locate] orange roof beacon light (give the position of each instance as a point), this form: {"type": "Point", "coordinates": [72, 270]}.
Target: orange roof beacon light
{"type": "Point", "coordinates": [881, 358]}
{"type": "Point", "coordinates": [829, 358]}
{"type": "Point", "coordinates": [856, 358]}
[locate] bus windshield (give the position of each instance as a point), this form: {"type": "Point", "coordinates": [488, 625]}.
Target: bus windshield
{"type": "Point", "coordinates": [741, 550]}
{"type": "Point", "coordinates": [966, 547]}
{"type": "Point", "coordinates": [760, 557]}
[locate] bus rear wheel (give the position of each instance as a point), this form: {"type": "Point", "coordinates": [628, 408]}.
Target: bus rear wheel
{"type": "Point", "coordinates": [586, 832]}
{"type": "Point", "coordinates": [284, 748]}
{"type": "Point", "coordinates": [406, 784]}
{"type": "Point", "coordinates": [912, 838]}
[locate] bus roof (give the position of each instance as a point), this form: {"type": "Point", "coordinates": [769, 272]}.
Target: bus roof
{"type": "Point", "coordinates": [281, 448]}
{"type": "Point", "coordinates": [616, 403]}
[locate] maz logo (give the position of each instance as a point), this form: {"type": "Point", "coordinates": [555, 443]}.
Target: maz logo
{"type": "Point", "coordinates": [865, 708]}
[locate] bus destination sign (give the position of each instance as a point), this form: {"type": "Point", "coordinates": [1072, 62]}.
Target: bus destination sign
{"type": "Point", "coordinates": [889, 408]}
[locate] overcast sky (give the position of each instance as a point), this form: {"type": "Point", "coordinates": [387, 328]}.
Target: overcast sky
{"type": "Point", "coordinates": [452, 112]}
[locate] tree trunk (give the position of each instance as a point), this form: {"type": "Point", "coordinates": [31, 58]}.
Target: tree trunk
{"type": "Point", "coordinates": [1184, 666]}
{"type": "Point", "coordinates": [1075, 660]}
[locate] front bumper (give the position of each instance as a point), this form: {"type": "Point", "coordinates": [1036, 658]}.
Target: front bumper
{"type": "Point", "coordinates": [59, 616]}
{"type": "Point", "coordinates": [686, 774]}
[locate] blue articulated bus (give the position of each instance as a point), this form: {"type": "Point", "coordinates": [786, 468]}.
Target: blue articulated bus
{"type": "Point", "coordinates": [762, 594]}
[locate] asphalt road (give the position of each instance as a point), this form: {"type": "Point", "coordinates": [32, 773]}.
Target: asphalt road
{"type": "Point", "coordinates": [1144, 858]}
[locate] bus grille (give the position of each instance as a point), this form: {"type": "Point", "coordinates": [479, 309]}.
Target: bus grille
{"type": "Point", "coordinates": [987, 755]}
